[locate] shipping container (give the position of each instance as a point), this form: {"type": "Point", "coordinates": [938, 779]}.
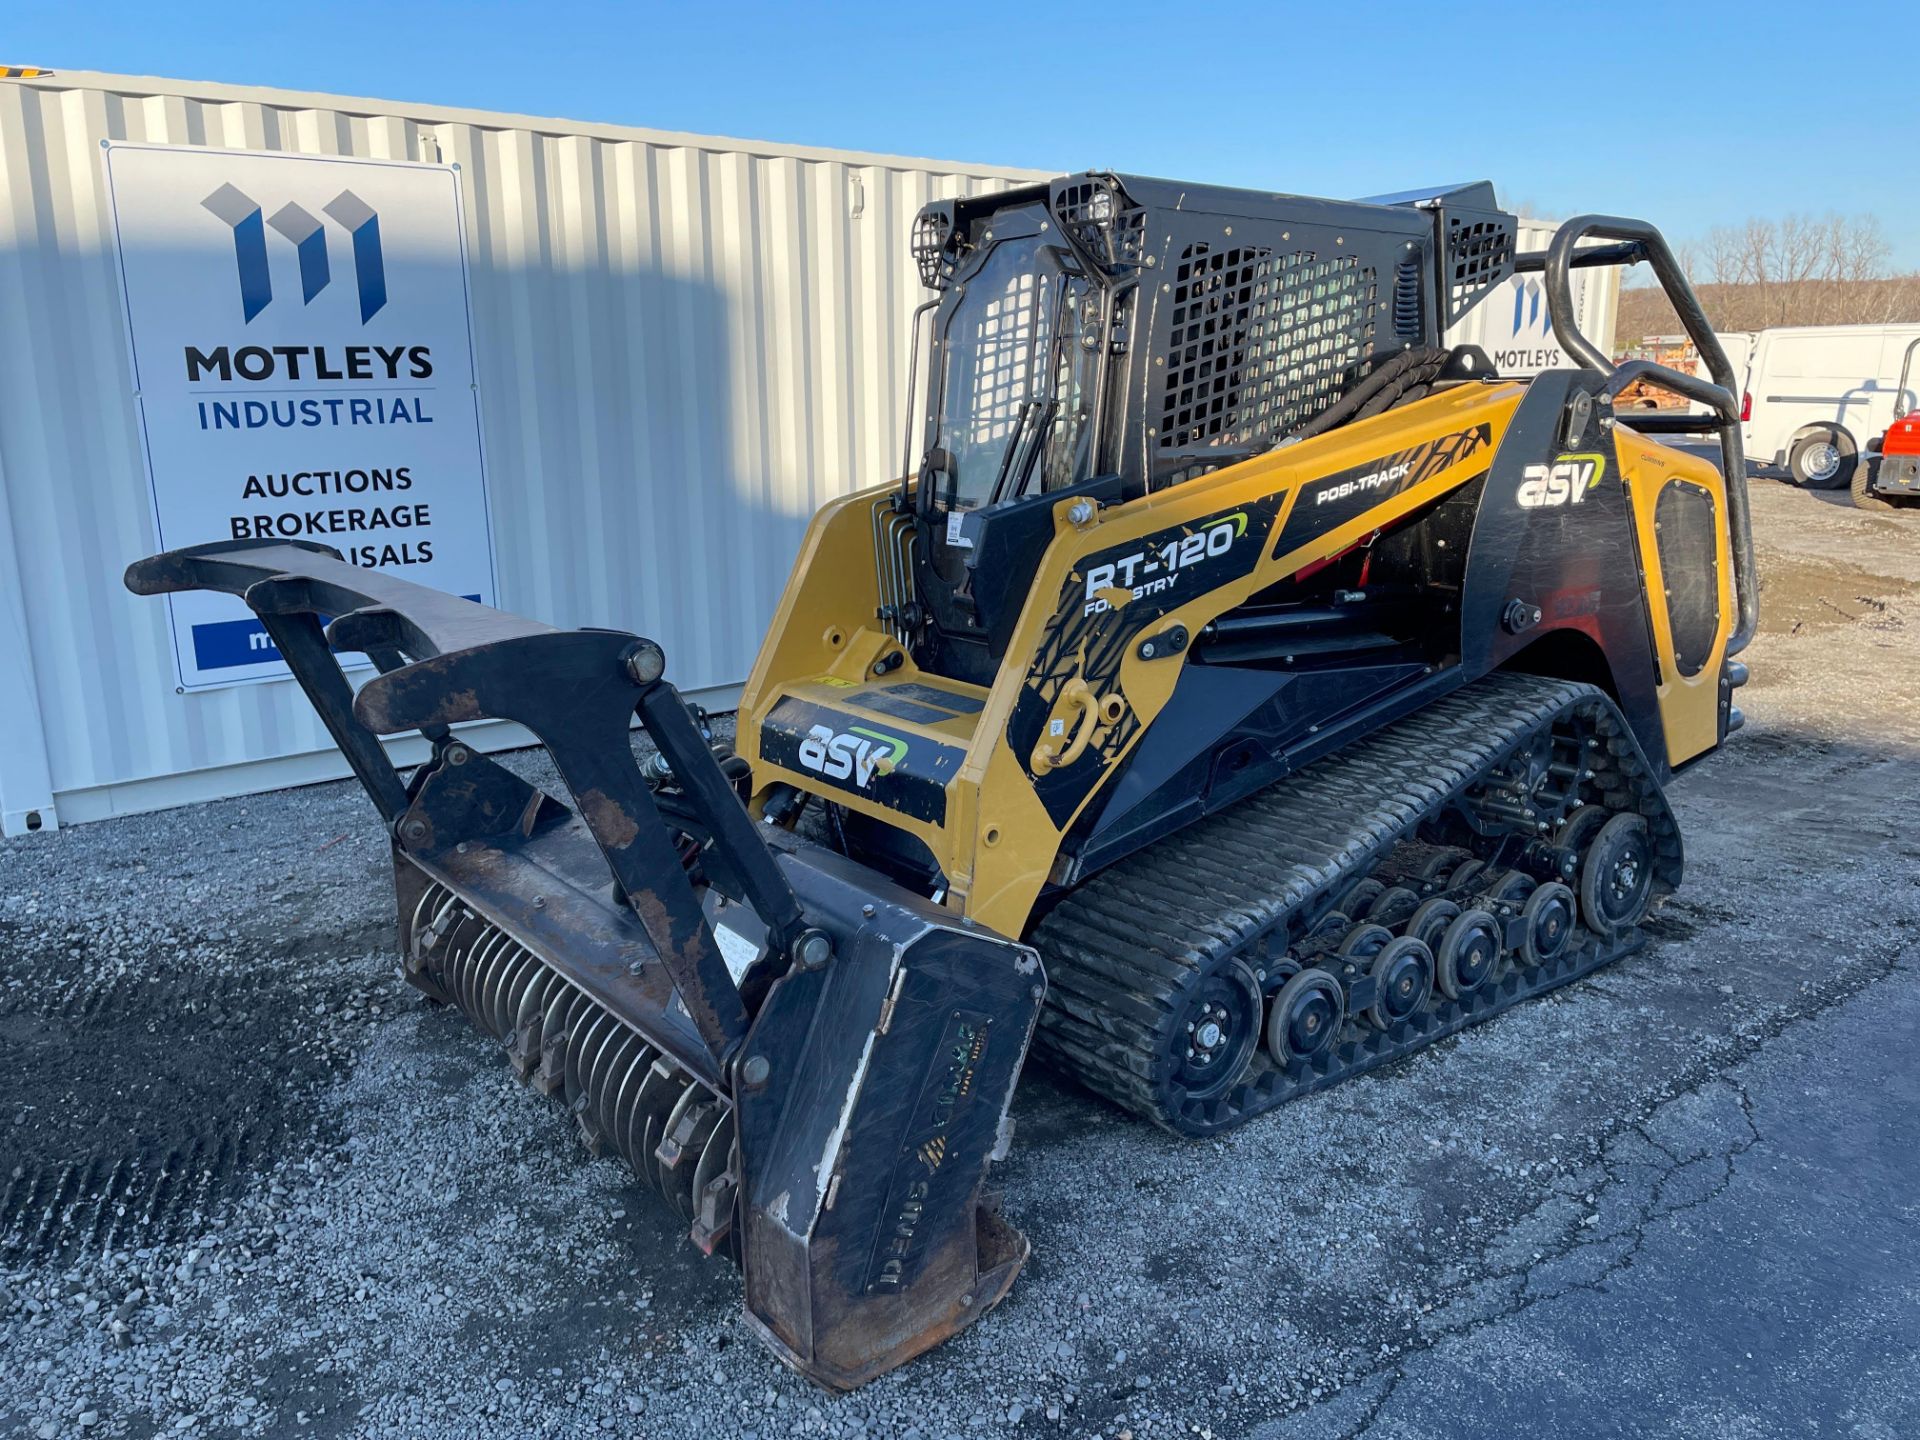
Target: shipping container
{"type": "Point", "coordinates": [681, 347]}
{"type": "Point", "coordinates": [1512, 324]}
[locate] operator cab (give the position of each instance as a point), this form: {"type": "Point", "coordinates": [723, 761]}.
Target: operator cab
{"type": "Point", "coordinates": [1022, 347]}
{"type": "Point", "coordinates": [1101, 337]}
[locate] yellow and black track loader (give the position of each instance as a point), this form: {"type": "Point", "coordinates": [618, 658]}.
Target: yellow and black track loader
{"type": "Point", "coordinates": [1239, 690]}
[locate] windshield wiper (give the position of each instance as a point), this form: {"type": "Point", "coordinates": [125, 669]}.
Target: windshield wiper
{"type": "Point", "coordinates": [1020, 448]}
{"type": "Point", "coordinates": [1023, 449]}
{"type": "Point", "coordinates": [1015, 442]}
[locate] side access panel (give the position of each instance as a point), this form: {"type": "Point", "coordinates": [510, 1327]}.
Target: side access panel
{"type": "Point", "coordinates": [1568, 527]}
{"type": "Point", "coordinates": [1680, 519]}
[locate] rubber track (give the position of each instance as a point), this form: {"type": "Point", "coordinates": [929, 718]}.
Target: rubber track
{"type": "Point", "coordinates": [1121, 949]}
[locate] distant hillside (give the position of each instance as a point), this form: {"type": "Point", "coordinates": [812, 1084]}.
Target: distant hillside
{"type": "Point", "coordinates": [1644, 310]}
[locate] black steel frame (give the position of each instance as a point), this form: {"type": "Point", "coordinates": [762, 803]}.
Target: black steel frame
{"type": "Point", "coordinates": [1636, 240]}
{"type": "Point", "coordinates": [445, 660]}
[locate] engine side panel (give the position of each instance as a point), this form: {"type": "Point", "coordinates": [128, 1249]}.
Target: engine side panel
{"type": "Point", "coordinates": [1564, 519]}
{"type": "Point", "coordinates": [1570, 524]}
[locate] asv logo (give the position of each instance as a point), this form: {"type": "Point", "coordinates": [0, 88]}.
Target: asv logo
{"type": "Point", "coordinates": [857, 756]}
{"type": "Point", "coordinates": [1565, 482]}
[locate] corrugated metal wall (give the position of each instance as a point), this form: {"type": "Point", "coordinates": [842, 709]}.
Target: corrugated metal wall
{"type": "Point", "coordinates": [685, 345]}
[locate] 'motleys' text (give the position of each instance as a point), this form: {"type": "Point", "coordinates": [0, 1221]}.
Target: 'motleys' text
{"type": "Point", "coordinates": [308, 362]}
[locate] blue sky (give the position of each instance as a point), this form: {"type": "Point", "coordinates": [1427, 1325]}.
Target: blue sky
{"type": "Point", "coordinates": [1555, 103]}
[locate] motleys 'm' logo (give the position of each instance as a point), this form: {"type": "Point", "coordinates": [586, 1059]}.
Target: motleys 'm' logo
{"type": "Point", "coordinates": [1530, 317]}
{"type": "Point", "coordinates": [1565, 482]}
{"type": "Point", "coordinates": [301, 229]}
{"type": "Point", "coordinates": [858, 755]}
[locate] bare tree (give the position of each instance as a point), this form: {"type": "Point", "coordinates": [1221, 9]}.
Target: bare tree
{"type": "Point", "coordinates": [1724, 254]}
{"type": "Point", "coordinates": [1795, 270]}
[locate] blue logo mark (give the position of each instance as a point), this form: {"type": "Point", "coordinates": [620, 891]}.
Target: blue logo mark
{"type": "Point", "coordinates": [356, 217]}
{"type": "Point", "coordinates": [309, 240]}
{"type": "Point", "coordinates": [1528, 313]}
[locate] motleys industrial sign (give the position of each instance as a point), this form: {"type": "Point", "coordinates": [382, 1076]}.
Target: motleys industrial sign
{"type": "Point", "coordinates": [1516, 331]}
{"type": "Point", "coordinates": [303, 363]}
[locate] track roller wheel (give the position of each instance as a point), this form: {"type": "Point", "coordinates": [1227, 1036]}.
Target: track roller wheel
{"type": "Point", "coordinates": [1435, 869]}
{"type": "Point", "coordinates": [1464, 873]}
{"type": "Point", "coordinates": [1616, 878]}
{"type": "Point", "coordinates": [1549, 918]}
{"type": "Point", "coordinates": [1363, 942]}
{"type": "Point", "coordinates": [1468, 953]}
{"type": "Point", "coordinates": [1430, 921]}
{"type": "Point", "coordinates": [1393, 905]}
{"type": "Point", "coordinates": [1306, 1017]}
{"type": "Point", "coordinates": [1358, 896]}
{"type": "Point", "coordinates": [1279, 972]}
{"type": "Point", "coordinates": [1512, 888]}
{"type": "Point", "coordinates": [1581, 826]}
{"type": "Point", "coordinates": [1331, 923]}
{"type": "Point", "coordinates": [1218, 1033]}
{"type": "Point", "coordinates": [1403, 974]}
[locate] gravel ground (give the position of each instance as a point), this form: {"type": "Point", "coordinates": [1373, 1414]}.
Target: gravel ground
{"type": "Point", "coordinates": [250, 1185]}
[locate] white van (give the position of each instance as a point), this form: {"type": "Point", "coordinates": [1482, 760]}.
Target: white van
{"type": "Point", "coordinates": [1739, 347]}
{"type": "Point", "coordinates": [1816, 395]}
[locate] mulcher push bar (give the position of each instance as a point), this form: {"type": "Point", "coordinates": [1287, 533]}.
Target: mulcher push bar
{"type": "Point", "coordinates": [576, 690]}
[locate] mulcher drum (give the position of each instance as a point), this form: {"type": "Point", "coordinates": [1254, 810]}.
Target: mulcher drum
{"type": "Point", "coordinates": [1123, 951]}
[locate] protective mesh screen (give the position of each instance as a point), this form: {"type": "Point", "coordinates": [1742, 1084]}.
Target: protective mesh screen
{"type": "Point", "coordinates": [1261, 342]}
{"type": "Point", "coordinates": [1479, 254]}
{"type": "Point", "coordinates": [1690, 569]}
{"type": "Point", "coordinates": [993, 356]}
{"type": "Point", "coordinates": [931, 232]}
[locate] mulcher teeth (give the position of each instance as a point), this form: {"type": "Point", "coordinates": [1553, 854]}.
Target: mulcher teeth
{"type": "Point", "coordinates": [625, 1097]}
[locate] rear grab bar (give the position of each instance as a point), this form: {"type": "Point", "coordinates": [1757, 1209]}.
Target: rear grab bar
{"type": "Point", "coordinates": [1637, 240]}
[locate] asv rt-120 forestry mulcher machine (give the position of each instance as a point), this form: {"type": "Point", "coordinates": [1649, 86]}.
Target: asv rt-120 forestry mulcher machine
{"type": "Point", "coordinates": [1240, 690]}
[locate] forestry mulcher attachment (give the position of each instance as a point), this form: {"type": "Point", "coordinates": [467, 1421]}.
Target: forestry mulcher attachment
{"type": "Point", "coordinates": [1241, 689]}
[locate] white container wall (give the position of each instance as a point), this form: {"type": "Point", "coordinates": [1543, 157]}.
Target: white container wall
{"type": "Point", "coordinates": [684, 346]}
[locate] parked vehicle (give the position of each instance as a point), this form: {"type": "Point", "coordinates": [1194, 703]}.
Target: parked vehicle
{"type": "Point", "coordinates": [1815, 394]}
{"type": "Point", "coordinates": [1739, 347]}
{"type": "Point", "coordinates": [1892, 468]}
{"type": "Point", "coordinates": [1678, 352]}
